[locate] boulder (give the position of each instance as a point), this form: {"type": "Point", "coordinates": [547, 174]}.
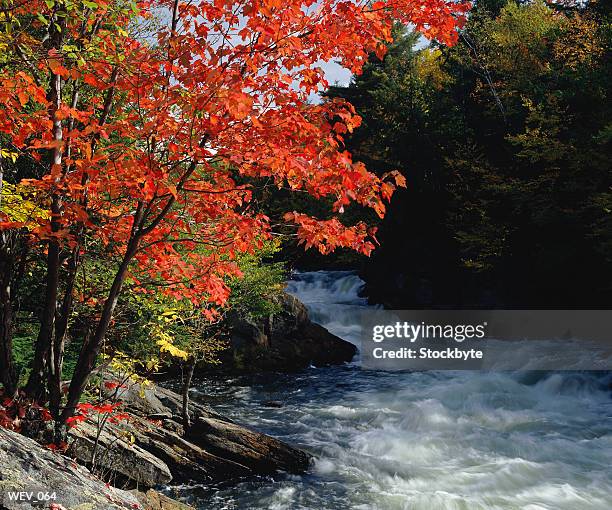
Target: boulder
{"type": "Point", "coordinates": [30, 468]}
{"type": "Point", "coordinates": [115, 452]}
{"type": "Point", "coordinates": [152, 447]}
{"type": "Point", "coordinates": [257, 452]}
{"type": "Point", "coordinates": [153, 500]}
{"type": "Point", "coordinates": [285, 341]}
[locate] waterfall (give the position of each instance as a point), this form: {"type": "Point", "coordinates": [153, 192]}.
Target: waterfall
{"type": "Point", "coordinates": [333, 300]}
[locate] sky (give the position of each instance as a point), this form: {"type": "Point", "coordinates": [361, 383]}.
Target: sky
{"type": "Point", "coordinates": [335, 74]}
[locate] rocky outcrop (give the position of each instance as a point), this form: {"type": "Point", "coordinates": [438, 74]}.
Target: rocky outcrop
{"type": "Point", "coordinates": [257, 452]}
{"type": "Point", "coordinates": [153, 500]}
{"type": "Point", "coordinates": [45, 478]}
{"type": "Point", "coordinates": [285, 341]}
{"type": "Point", "coordinates": [153, 447]}
{"type": "Point", "coordinates": [112, 449]}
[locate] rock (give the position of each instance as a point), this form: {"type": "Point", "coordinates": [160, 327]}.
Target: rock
{"type": "Point", "coordinates": [186, 459]}
{"type": "Point", "coordinates": [160, 416]}
{"type": "Point", "coordinates": [272, 403]}
{"type": "Point", "coordinates": [27, 466]}
{"type": "Point", "coordinates": [260, 453]}
{"type": "Point", "coordinates": [144, 400]}
{"type": "Point", "coordinates": [155, 402]}
{"type": "Point", "coordinates": [116, 453]}
{"type": "Point", "coordinates": [152, 446]}
{"type": "Point", "coordinates": [285, 341]}
{"type": "Point", "coordinates": [153, 500]}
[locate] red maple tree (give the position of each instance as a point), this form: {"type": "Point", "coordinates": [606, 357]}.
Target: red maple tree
{"type": "Point", "coordinates": [148, 138]}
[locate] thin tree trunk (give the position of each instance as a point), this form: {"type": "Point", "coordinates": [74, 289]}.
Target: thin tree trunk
{"type": "Point", "coordinates": [44, 352]}
{"type": "Point", "coordinates": [61, 327]}
{"type": "Point", "coordinates": [91, 349]}
{"type": "Point", "coordinates": [7, 367]}
{"type": "Point", "coordinates": [185, 392]}
{"type": "Point", "coordinates": [35, 387]}
{"type": "Point", "coordinates": [59, 342]}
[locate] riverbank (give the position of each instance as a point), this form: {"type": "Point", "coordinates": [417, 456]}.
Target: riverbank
{"type": "Point", "coordinates": [34, 477]}
{"type": "Point", "coordinates": [150, 444]}
{"type": "Point", "coordinates": [147, 447]}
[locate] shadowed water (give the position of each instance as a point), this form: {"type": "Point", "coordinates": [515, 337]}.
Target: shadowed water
{"type": "Point", "coordinates": [424, 440]}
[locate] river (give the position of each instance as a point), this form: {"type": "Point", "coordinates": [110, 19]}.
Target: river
{"type": "Point", "coordinates": [420, 440]}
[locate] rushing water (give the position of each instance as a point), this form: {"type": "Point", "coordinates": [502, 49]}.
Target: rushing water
{"type": "Point", "coordinates": [426, 440]}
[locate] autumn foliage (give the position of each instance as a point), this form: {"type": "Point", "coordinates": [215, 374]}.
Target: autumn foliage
{"type": "Point", "coordinates": [149, 123]}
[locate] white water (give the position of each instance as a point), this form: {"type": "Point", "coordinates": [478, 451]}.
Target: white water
{"type": "Point", "coordinates": [428, 440]}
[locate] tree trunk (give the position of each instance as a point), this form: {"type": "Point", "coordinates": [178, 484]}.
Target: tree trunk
{"type": "Point", "coordinates": [56, 361]}
{"type": "Point", "coordinates": [7, 367]}
{"type": "Point", "coordinates": [35, 388]}
{"type": "Point", "coordinates": [185, 392]}
{"type": "Point", "coordinates": [91, 348]}
{"type": "Point", "coordinates": [44, 353]}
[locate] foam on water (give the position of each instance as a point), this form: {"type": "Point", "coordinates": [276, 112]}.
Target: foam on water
{"type": "Point", "coordinates": [428, 440]}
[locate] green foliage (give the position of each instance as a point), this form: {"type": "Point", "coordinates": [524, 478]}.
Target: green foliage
{"type": "Point", "coordinates": [505, 143]}
{"type": "Point", "coordinates": [253, 294]}
{"type": "Point", "coordinates": [23, 351]}
{"type": "Point", "coordinates": [155, 327]}
{"type": "Point", "coordinates": [24, 340]}
{"type": "Point", "coordinates": [149, 329]}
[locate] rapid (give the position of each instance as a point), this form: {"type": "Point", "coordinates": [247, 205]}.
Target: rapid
{"type": "Point", "coordinates": [417, 440]}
